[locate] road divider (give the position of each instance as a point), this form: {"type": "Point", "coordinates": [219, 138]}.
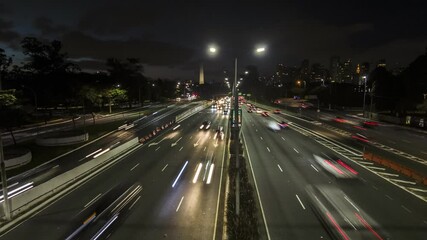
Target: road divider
{"type": "Point", "coordinates": [418, 177]}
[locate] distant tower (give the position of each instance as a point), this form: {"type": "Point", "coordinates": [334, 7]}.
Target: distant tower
{"type": "Point", "coordinates": [201, 75]}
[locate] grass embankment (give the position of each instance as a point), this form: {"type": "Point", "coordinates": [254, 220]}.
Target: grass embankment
{"type": "Point", "coordinates": [41, 154]}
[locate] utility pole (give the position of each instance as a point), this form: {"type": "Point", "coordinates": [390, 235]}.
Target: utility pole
{"type": "Point", "coordinates": [6, 203]}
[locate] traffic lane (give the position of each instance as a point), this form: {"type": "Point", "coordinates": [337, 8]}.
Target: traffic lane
{"type": "Point", "coordinates": [281, 191]}
{"type": "Point", "coordinates": [57, 218]}
{"type": "Point", "coordinates": [30, 133]}
{"type": "Point", "coordinates": [100, 183]}
{"type": "Point", "coordinates": [362, 189]}
{"type": "Point", "coordinates": [378, 205]}
{"type": "Point", "coordinates": [188, 210]}
{"type": "Point", "coordinates": [391, 135]}
{"type": "Point", "coordinates": [69, 161]}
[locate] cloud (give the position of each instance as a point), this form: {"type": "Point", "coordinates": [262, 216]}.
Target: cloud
{"type": "Point", "coordinates": [116, 18]}
{"type": "Point", "coordinates": [7, 34]}
{"type": "Point", "coordinates": [80, 45]}
{"type": "Point", "coordinates": [45, 26]}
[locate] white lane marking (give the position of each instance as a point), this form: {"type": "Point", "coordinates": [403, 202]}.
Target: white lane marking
{"type": "Point", "coordinates": [299, 200]}
{"type": "Point", "coordinates": [257, 191]}
{"type": "Point", "coordinates": [261, 138]}
{"type": "Point", "coordinates": [283, 139]}
{"type": "Point", "coordinates": [296, 150]}
{"type": "Point", "coordinates": [134, 166]}
{"type": "Point", "coordinates": [181, 149]}
{"type": "Point", "coordinates": [179, 205]}
{"type": "Point", "coordinates": [55, 166]}
{"type": "Point", "coordinates": [406, 141]}
{"type": "Point", "coordinates": [352, 204]}
{"type": "Point", "coordinates": [418, 190]}
{"type": "Point", "coordinates": [164, 167]}
{"type": "Point", "coordinates": [392, 141]}
{"type": "Point", "coordinates": [366, 163]}
{"type": "Point", "coordinates": [191, 137]}
{"type": "Point", "coordinates": [157, 148]}
{"type": "Point", "coordinates": [204, 149]}
{"type": "Point", "coordinates": [92, 201]}
{"type": "Point", "coordinates": [424, 152]}
{"type": "Point", "coordinates": [219, 195]}
{"type": "Point", "coordinates": [256, 130]}
{"type": "Point", "coordinates": [131, 206]}
{"type": "Point", "coordinates": [375, 187]}
{"type": "Point", "coordinates": [314, 168]}
{"type": "Point", "coordinates": [389, 174]}
{"type": "Point", "coordinates": [389, 197]}
{"type": "Point", "coordinates": [407, 209]}
{"type": "Point", "coordinates": [268, 149]}
{"type": "Point", "coordinates": [403, 181]}
{"type": "Point", "coordinates": [376, 168]}
{"type": "Point", "coordinates": [279, 168]}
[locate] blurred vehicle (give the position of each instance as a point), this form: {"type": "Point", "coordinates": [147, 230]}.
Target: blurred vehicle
{"type": "Point", "coordinates": [264, 114]}
{"type": "Point", "coordinates": [249, 110]}
{"type": "Point", "coordinates": [225, 111]}
{"type": "Point", "coordinates": [370, 124]}
{"type": "Point", "coordinates": [339, 119]}
{"type": "Point", "coordinates": [206, 125]}
{"type": "Point", "coordinates": [283, 125]}
{"type": "Point", "coordinates": [219, 133]}
{"type": "Point", "coordinates": [337, 167]}
{"type": "Point", "coordinates": [277, 111]}
{"type": "Point", "coordinates": [342, 218]}
{"type": "Point", "coordinates": [360, 137]}
{"type": "Point", "coordinates": [257, 110]}
{"type": "Point", "coordinates": [273, 126]}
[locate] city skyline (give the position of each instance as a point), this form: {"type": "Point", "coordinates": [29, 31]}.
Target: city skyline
{"type": "Point", "coordinates": [292, 31]}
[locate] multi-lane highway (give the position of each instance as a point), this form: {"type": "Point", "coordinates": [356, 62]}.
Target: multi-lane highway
{"type": "Point", "coordinates": [284, 165]}
{"type": "Point", "coordinates": [173, 187]}
{"type": "Point", "coordinates": [179, 180]}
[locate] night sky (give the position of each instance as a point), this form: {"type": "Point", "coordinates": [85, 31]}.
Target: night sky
{"type": "Point", "coordinates": [171, 37]}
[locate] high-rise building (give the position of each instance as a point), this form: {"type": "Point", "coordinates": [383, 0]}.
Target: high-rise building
{"type": "Point", "coordinates": [334, 66]}
{"type": "Point", "coordinates": [318, 73]}
{"type": "Point", "coordinates": [345, 72]}
{"type": "Point", "coordinates": [305, 70]}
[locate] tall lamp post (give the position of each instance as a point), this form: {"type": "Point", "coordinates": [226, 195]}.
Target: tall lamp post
{"type": "Point", "coordinates": [236, 130]}
{"type": "Point", "coordinates": [364, 95]}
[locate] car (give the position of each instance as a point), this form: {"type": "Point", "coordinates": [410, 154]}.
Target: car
{"type": "Point", "coordinates": [277, 111]}
{"type": "Point", "coordinates": [206, 125]}
{"type": "Point", "coordinates": [219, 133]}
{"type": "Point", "coordinates": [264, 114]}
{"type": "Point", "coordinates": [249, 110]}
{"type": "Point", "coordinates": [360, 137]}
{"type": "Point", "coordinates": [370, 124]}
{"type": "Point", "coordinates": [283, 125]}
{"type": "Point", "coordinates": [337, 167]}
{"type": "Point", "coordinates": [273, 126]}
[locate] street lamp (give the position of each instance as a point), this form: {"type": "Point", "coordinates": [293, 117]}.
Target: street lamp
{"type": "Point", "coordinates": [258, 51]}
{"type": "Point", "coordinates": [364, 95]}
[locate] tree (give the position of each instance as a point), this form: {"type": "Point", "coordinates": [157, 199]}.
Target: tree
{"type": "Point", "coordinates": [413, 82]}
{"type": "Point", "coordinates": [115, 95]}
{"type": "Point", "coordinates": [48, 71]}
{"type": "Point", "coordinates": [385, 89]}
{"type": "Point", "coordinates": [5, 62]}
{"type": "Point", "coordinates": [129, 74]}
{"type": "Point", "coordinates": [10, 115]}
